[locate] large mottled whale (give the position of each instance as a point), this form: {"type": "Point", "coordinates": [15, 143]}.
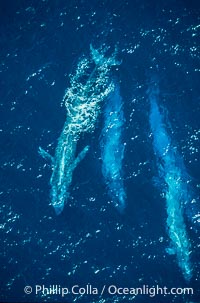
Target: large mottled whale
{"type": "Point", "coordinates": [90, 85]}
{"type": "Point", "coordinates": [63, 165]}
{"type": "Point", "coordinates": [112, 148]}
{"type": "Point", "coordinates": [176, 191]}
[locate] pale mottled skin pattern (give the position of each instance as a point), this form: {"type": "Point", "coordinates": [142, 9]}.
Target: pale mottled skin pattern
{"type": "Point", "coordinates": [176, 192]}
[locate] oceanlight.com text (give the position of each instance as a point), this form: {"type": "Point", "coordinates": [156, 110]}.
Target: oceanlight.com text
{"type": "Point", "coordinates": [106, 289]}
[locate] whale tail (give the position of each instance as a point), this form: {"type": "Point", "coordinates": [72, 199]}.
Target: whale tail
{"type": "Point", "coordinates": [58, 209]}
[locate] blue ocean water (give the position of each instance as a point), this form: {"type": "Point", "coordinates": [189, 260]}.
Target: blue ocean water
{"type": "Point", "coordinates": [90, 242]}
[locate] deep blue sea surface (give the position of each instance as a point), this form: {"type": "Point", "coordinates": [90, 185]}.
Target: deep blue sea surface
{"type": "Point", "coordinates": [91, 242]}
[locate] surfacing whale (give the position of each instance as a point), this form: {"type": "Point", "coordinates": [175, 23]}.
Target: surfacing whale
{"type": "Point", "coordinates": [176, 192]}
{"type": "Point", "coordinates": [90, 85]}
{"type": "Point", "coordinates": [112, 148]}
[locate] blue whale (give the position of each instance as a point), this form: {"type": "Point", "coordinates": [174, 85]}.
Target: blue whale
{"type": "Point", "coordinates": [90, 85]}
{"type": "Point", "coordinates": [112, 148]}
{"type": "Point", "coordinates": [176, 191]}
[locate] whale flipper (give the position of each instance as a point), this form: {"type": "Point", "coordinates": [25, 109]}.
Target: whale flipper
{"type": "Point", "coordinates": [80, 156]}
{"type": "Point", "coordinates": [170, 251]}
{"type": "Point", "coordinates": [45, 155]}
